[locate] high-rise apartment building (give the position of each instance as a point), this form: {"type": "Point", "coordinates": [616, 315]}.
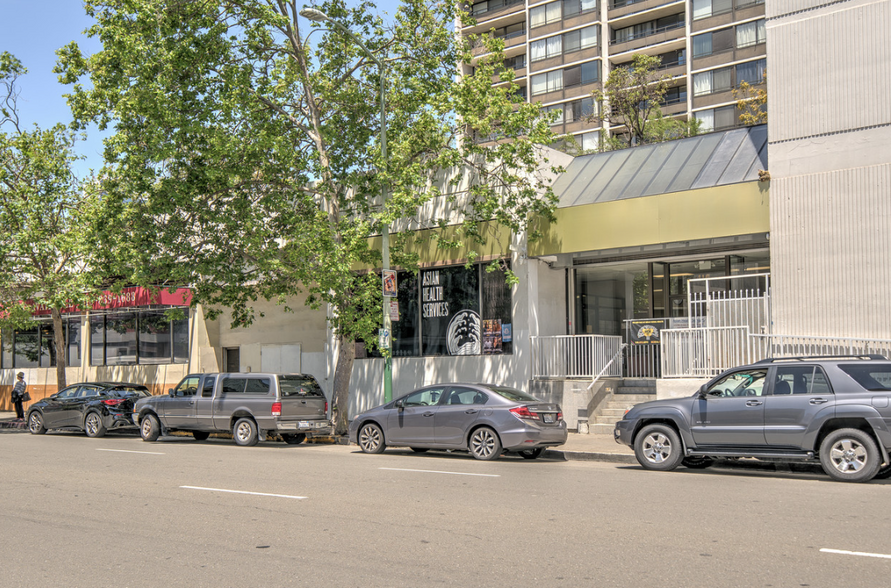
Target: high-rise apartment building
{"type": "Point", "coordinates": [562, 50]}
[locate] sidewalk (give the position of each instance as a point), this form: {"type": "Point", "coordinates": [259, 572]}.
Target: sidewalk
{"type": "Point", "coordinates": [577, 447]}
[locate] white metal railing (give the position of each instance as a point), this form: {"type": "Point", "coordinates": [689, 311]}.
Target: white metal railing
{"type": "Point", "coordinates": [798, 346]}
{"type": "Point", "coordinates": [706, 352]}
{"type": "Point", "coordinates": [575, 356]}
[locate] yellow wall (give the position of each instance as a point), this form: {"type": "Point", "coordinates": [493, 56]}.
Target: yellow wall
{"type": "Point", "coordinates": [497, 243]}
{"type": "Point", "coordinates": [721, 211]}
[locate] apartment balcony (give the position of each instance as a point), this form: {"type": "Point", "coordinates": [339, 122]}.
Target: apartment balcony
{"type": "Point", "coordinates": [676, 43]}
{"type": "Point", "coordinates": [657, 38]}
{"type": "Point", "coordinates": [515, 40]}
{"type": "Point", "coordinates": [489, 17]}
{"type": "Point", "coordinates": [569, 92]}
{"type": "Point", "coordinates": [622, 8]}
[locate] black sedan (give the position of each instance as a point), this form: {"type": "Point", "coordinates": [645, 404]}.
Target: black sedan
{"type": "Point", "coordinates": [94, 408]}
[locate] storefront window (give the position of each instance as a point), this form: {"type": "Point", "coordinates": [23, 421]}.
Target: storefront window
{"type": "Point", "coordinates": [73, 342]}
{"type": "Point", "coordinates": [146, 337]}
{"type": "Point", "coordinates": [26, 350]}
{"type": "Point", "coordinates": [608, 295]}
{"type": "Point", "coordinates": [406, 330]}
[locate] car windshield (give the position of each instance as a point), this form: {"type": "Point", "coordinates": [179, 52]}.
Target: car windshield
{"type": "Point", "coordinates": [873, 377]}
{"type": "Point", "coordinates": [513, 394]}
{"type": "Point", "coordinates": [299, 386]}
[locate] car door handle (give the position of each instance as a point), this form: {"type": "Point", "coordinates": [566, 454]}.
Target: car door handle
{"type": "Point", "coordinates": [429, 413]}
{"type": "Point", "coordinates": [471, 411]}
{"type": "Point", "coordinates": [753, 403]}
{"type": "Point", "coordinates": [819, 400]}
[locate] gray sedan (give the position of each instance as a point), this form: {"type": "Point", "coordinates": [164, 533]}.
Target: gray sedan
{"type": "Point", "coordinates": [484, 419]}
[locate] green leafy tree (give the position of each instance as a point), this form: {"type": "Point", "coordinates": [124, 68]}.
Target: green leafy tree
{"type": "Point", "coordinates": [246, 161]}
{"type": "Point", "coordinates": [45, 215]}
{"type": "Point", "coordinates": [632, 96]}
{"type": "Point", "coordinates": [751, 103]}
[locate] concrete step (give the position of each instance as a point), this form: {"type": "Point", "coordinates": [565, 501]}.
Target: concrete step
{"type": "Point", "coordinates": [631, 390]}
{"type": "Point", "coordinates": [599, 429]}
{"type": "Point", "coordinates": [632, 398]}
{"type": "Point", "coordinates": [639, 383]}
{"type": "Point", "coordinates": [616, 411]}
{"type": "Point", "coordinates": [606, 420]}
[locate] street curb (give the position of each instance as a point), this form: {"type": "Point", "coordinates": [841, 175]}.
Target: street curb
{"type": "Point", "coordinates": [589, 456]}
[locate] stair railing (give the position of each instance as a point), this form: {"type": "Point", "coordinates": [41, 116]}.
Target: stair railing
{"type": "Point", "coordinates": [606, 367]}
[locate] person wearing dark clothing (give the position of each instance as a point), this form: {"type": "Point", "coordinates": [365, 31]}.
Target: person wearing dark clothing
{"type": "Point", "coordinates": [18, 395]}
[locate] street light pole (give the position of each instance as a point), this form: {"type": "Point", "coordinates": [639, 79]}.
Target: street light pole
{"type": "Point", "coordinates": [317, 15]}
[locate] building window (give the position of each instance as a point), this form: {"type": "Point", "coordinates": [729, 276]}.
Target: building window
{"type": "Point", "coordinates": [452, 311]}
{"type": "Point", "coordinates": [547, 82]}
{"type": "Point", "coordinates": [709, 82]}
{"type": "Point", "coordinates": [751, 72]}
{"type": "Point", "coordinates": [751, 33]}
{"type": "Point", "coordinates": [580, 109]}
{"type": "Point", "coordinates": [548, 111]}
{"type": "Point", "coordinates": [675, 95]}
{"type": "Point", "coordinates": [707, 8]}
{"type": "Point", "coordinates": [586, 73]}
{"type": "Point", "coordinates": [717, 119]}
{"type": "Point", "coordinates": [489, 5]}
{"type": "Point", "coordinates": [545, 14]}
{"type": "Point", "coordinates": [574, 7]}
{"type": "Point", "coordinates": [144, 337]}
{"type": "Point", "coordinates": [546, 48]}
{"type": "Point", "coordinates": [35, 347]}
{"type": "Point", "coordinates": [565, 43]}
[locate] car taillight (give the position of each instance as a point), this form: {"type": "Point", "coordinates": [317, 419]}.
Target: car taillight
{"type": "Point", "coordinates": [112, 401]}
{"type": "Point", "coordinates": [276, 409]}
{"type": "Point", "coordinates": [559, 416]}
{"type": "Point", "coordinates": [523, 412]}
{"type": "Point", "coordinates": [326, 407]}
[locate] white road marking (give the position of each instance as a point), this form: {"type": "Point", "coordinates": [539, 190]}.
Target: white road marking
{"type": "Point", "coordinates": [243, 492]}
{"type": "Point", "coordinates": [439, 472]}
{"type": "Point", "coordinates": [127, 451]}
{"type": "Point", "coordinates": [859, 553]}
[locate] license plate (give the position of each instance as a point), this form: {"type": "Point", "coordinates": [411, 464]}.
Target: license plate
{"type": "Point", "coordinates": [305, 425]}
{"type": "Point", "coordinates": [548, 418]}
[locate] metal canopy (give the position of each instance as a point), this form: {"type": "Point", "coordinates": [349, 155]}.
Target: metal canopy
{"type": "Point", "coordinates": [714, 159]}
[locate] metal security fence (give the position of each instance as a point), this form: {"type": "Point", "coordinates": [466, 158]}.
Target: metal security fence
{"type": "Point", "coordinates": [575, 356]}
{"type": "Point", "coordinates": [705, 352]}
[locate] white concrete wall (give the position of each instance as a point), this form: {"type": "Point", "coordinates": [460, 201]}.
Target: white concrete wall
{"type": "Point", "coordinates": [829, 129]}
{"type": "Point", "coordinates": [677, 387]}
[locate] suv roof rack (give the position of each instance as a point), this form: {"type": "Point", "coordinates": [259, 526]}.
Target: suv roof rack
{"type": "Point", "coordinates": [823, 357]}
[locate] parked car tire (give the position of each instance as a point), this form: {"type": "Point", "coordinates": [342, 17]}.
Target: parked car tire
{"type": "Point", "coordinates": [150, 428]}
{"type": "Point", "coordinates": [697, 463]}
{"type": "Point", "coordinates": [371, 439]}
{"type": "Point", "coordinates": [850, 455]}
{"type": "Point", "coordinates": [658, 447]}
{"type": "Point", "coordinates": [531, 453]}
{"type": "Point", "coordinates": [93, 425]}
{"type": "Point", "coordinates": [35, 423]}
{"type": "Point", "coordinates": [484, 444]}
{"type": "Point", "coordinates": [200, 435]}
{"type": "Point", "coordinates": [245, 432]}
{"type": "Point", "coordinates": [294, 439]}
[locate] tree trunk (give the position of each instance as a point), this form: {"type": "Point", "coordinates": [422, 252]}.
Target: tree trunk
{"type": "Point", "coordinates": [341, 396]}
{"type": "Point", "coordinates": [59, 344]}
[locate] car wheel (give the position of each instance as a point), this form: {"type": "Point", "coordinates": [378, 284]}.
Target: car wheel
{"type": "Point", "coordinates": [420, 449]}
{"type": "Point", "coordinates": [850, 455]}
{"type": "Point", "coordinates": [371, 439]}
{"type": "Point", "coordinates": [245, 432]}
{"type": "Point", "coordinates": [484, 444]}
{"type": "Point", "coordinates": [35, 423]}
{"type": "Point", "coordinates": [658, 447]}
{"type": "Point", "coordinates": [697, 463]}
{"type": "Point", "coordinates": [200, 435]}
{"type": "Point", "coordinates": [150, 428]}
{"type": "Point", "coordinates": [294, 439]}
{"type": "Point", "coordinates": [93, 425]}
{"type": "Point", "coordinates": [884, 473]}
{"type": "Point", "coordinates": [531, 453]}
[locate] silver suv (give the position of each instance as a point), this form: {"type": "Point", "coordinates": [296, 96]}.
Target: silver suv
{"type": "Point", "coordinates": [831, 410]}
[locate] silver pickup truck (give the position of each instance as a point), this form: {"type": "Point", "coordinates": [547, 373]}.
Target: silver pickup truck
{"type": "Point", "coordinates": [250, 406]}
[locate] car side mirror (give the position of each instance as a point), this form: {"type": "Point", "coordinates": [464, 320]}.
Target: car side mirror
{"type": "Point", "coordinates": [703, 391]}
{"type": "Point", "coordinates": [170, 392]}
{"type": "Point", "coordinates": [400, 404]}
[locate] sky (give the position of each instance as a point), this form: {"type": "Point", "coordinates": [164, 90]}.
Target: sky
{"type": "Point", "coordinates": [33, 30]}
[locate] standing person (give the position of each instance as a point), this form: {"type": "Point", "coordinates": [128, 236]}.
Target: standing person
{"type": "Point", "coordinates": [18, 395]}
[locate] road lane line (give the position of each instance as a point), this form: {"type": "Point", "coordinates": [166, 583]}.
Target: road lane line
{"type": "Point", "coordinates": [439, 472]}
{"type": "Point", "coordinates": [244, 492]}
{"type": "Point", "coordinates": [858, 553]}
{"type": "Point", "coordinates": [127, 451]}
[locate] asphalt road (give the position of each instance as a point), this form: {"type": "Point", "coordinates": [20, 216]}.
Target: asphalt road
{"type": "Point", "coordinates": [121, 512]}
